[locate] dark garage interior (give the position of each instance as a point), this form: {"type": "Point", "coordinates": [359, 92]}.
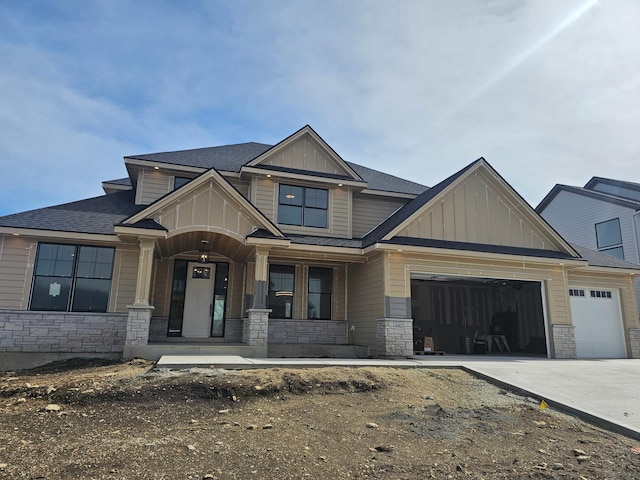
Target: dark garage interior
{"type": "Point", "coordinates": [471, 315]}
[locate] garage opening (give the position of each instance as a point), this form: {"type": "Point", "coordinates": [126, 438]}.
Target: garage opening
{"type": "Point", "coordinates": [478, 315]}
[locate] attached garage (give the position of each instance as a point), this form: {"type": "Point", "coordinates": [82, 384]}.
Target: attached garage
{"type": "Point", "coordinates": [598, 324]}
{"type": "Point", "coordinates": [506, 314]}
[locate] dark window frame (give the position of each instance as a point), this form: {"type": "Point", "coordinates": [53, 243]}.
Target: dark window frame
{"type": "Point", "coordinates": [306, 205]}
{"type": "Point", "coordinates": [180, 181]}
{"type": "Point", "coordinates": [277, 297]}
{"type": "Point", "coordinates": [615, 249]}
{"type": "Point", "coordinates": [78, 279]}
{"type": "Point", "coordinates": [325, 311]}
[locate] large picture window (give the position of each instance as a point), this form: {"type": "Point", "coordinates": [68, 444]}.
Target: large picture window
{"type": "Point", "coordinates": [303, 206]}
{"type": "Point", "coordinates": [73, 278]}
{"type": "Point", "coordinates": [281, 287]}
{"type": "Point", "coordinates": [609, 238]}
{"type": "Point", "coordinates": [320, 293]}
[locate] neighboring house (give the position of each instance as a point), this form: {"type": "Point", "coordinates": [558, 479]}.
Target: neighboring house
{"type": "Point", "coordinates": [288, 249]}
{"type": "Point", "coordinates": [604, 215]}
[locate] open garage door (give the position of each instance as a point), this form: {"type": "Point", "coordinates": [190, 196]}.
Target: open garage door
{"type": "Point", "coordinates": [507, 314]}
{"type": "Point", "coordinates": [597, 319]}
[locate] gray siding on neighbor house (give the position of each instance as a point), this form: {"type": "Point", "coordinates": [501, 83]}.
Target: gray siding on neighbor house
{"type": "Point", "coordinates": [575, 216]}
{"type": "Point", "coordinates": [617, 190]}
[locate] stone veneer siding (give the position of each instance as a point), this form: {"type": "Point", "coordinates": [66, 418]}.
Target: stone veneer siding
{"type": "Point", "coordinates": [394, 337]}
{"type": "Point", "coordinates": [564, 341]}
{"type": "Point", "coordinates": [233, 330]}
{"type": "Point", "coordinates": [332, 332]}
{"type": "Point", "coordinates": [634, 342]}
{"type": "Point", "coordinates": [255, 329]}
{"type": "Point", "coordinates": [43, 332]}
{"type": "Point", "coordinates": [158, 327]}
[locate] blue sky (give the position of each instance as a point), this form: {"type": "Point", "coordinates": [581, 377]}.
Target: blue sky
{"type": "Point", "coordinates": [548, 92]}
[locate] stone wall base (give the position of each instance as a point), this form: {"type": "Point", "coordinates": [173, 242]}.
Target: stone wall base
{"type": "Point", "coordinates": [325, 332]}
{"type": "Point", "coordinates": [255, 330]}
{"type": "Point", "coordinates": [564, 341]}
{"type": "Point", "coordinates": [394, 337]}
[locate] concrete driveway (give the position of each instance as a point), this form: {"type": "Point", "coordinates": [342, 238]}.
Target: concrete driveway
{"type": "Point", "coordinates": [606, 392]}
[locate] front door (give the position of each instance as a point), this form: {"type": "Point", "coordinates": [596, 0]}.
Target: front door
{"type": "Point", "coordinates": [198, 301]}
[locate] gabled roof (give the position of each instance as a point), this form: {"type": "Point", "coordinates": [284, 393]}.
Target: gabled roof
{"type": "Point", "coordinates": [387, 230]}
{"type": "Point", "coordinates": [605, 197]}
{"type": "Point", "coordinates": [231, 158]}
{"type": "Point", "coordinates": [307, 130]}
{"type": "Point", "coordinates": [405, 212]}
{"type": "Point", "coordinates": [147, 211]}
{"type": "Point", "coordinates": [96, 215]}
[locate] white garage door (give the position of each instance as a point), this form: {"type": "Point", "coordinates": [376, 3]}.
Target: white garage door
{"type": "Point", "coordinates": [597, 319]}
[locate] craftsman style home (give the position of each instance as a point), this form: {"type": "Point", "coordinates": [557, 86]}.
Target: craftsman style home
{"type": "Point", "coordinates": [289, 250]}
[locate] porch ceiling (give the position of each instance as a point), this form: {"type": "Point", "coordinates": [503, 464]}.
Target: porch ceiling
{"type": "Point", "coordinates": [191, 241]}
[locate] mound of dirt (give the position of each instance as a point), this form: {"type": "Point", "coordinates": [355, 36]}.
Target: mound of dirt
{"type": "Point", "coordinates": [106, 420]}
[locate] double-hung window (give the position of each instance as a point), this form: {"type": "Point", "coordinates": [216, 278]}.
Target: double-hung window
{"type": "Point", "coordinates": [609, 238]}
{"type": "Point", "coordinates": [74, 278]}
{"type": "Point", "coordinates": [303, 206]}
{"type": "Point", "coordinates": [281, 287]}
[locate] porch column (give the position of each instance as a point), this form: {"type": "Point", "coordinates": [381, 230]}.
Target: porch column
{"type": "Point", "coordinates": [140, 312]}
{"type": "Point", "coordinates": [256, 326]}
{"type": "Point", "coordinates": [394, 332]}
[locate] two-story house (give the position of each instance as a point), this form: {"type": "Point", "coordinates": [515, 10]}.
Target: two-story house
{"type": "Point", "coordinates": [603, 216]}
{"type": "Point", "coordinates": [289, 250]}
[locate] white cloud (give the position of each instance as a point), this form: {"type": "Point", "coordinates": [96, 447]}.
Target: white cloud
{"type": "Point", "coordinates": [544, 90]}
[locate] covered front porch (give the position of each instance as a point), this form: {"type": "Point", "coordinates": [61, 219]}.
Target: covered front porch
{"type": "Point", "coordinates": [211, 293]}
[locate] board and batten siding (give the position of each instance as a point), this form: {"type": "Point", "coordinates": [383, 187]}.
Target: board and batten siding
{"type": "Point", "coordinates": [553, 278]}
{"type": "Point", "coordinates": [365, 299]}
{"type": "Point", "coordinates": [481, 210]}
{"type": "Point", "coordinates": [305, 154]}
{"type": "Point", "coordinates": [369, 211]}
{"type": "Point", "coordinates": [152, 184]}
{"type": "Point", "coordinates": [17, 257]}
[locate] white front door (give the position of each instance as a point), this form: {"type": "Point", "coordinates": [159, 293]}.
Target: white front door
{"type": "Point", "coordinates": [198, 301]}
{"type": "Point", "coordinates": [597, 321]}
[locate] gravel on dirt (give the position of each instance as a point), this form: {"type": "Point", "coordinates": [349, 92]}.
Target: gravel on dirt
{"type": "Point", "coordinates": [103, 420]}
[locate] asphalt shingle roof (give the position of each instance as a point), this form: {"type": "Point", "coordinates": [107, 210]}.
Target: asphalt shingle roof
{"type": "Point", "coordinates": [231, 158]}
{"type": "Point", "coordinates": [479, 247]}
{"type": "Point", "coordinates": [93, 215]}
{"type": "Point", "coordinates": [598, 259]}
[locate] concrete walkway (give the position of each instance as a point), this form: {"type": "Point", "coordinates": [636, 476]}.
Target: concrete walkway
{"type": "Point", "coordinates": [606, 392]}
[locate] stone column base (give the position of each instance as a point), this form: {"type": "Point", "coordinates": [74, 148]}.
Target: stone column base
{"type": "Point", "coordinates": [394, 337]}
{"type": "Point", "coordinates": [137, 328]}
{"type": "Point", "coordinates": [255, 329]}
{"type": "Point", "coordinates": [634, 342]}
{"type": "Point", "coordinates": [564, 341]}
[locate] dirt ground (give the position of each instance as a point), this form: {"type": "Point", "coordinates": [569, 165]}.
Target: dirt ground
{"type": "Point", "coordinates": [96, 420]}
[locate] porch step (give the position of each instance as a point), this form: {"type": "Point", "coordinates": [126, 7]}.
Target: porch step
{"type": "Point", "coordinates": [154, 351]}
